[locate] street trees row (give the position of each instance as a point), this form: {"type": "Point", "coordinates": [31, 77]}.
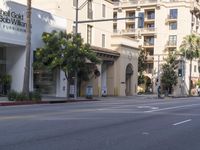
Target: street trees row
{"type": "Point", "coordinates": [189, 49]}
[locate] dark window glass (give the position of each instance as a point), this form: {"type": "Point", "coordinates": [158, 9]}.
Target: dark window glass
{"type": "Point", "coordinates": [173, 25]}
{"type": "Point", "coordinates": [103, 10]}
{"type": "Point", "coordinates": [89, 34]}
{"type": "Point", "coordinates": [173, 14]}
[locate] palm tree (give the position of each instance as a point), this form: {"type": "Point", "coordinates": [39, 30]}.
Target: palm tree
{"type": "Point", "coordinates": [190, 49]}
{"type": "Point", "coordinates": [27, 49]}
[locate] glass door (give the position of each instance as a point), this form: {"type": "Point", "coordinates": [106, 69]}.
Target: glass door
{"type": "Point", "coordinates": [45, 81]}
{"type": "Point", "coordinates": [2, 66]}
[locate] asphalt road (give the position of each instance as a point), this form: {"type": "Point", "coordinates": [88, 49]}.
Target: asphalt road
{"type": "Point", "coordinates": [132, 123]}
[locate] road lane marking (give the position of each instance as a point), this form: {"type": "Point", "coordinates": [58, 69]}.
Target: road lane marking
{"type": "Point", "coordinates": [145, 133]}
{"type": "Point", "coordinates": [178, 123]}
{"type": "Point", "coordinates": [169, 108]}
{"type": "Point", "coordinates": [149, 107]}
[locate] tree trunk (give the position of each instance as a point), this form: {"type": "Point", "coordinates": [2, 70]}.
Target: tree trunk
{"type": "Point", "coordinates": [190, 77]}
{"type": "Point", "coordinates": [75, 84]}
{"type": "Point", "coordinates": [27, 49]}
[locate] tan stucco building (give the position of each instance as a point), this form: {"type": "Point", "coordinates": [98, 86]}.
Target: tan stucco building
{"type": "Point", "coordinates": [166, 22]}
{"type": "Point", "coordinates": [119, 54]}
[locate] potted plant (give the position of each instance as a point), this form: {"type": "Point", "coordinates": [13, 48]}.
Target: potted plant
{"type": "Point", "coordinates": [6, 82]}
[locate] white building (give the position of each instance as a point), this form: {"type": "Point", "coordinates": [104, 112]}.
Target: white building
{"type": "Point", "coordinates": [12, 38]}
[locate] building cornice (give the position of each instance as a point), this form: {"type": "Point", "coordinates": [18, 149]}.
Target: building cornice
{"type": "Point", "coordinates": [105, 51]}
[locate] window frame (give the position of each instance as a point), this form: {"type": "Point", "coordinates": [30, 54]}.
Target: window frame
{"type": "Point", "coordinates": [173, 13]}
{"type": "Point", "coordinates": [89, 10]}
{"type": "Point", "coordinates": [103, 36]}
{"type": "Point", "coordinates": [103, 10]}
{"type": "Point", "coordinates": [89, 34]}
{"type": "Point", "coordinates": [173, 26]}
{"type": "Point", "coordinates": [173, 39]}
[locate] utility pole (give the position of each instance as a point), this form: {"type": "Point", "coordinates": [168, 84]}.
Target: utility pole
{"type": "Point", "coordinates": [158, 73]}
{"type": "Point", "coordinates": [76, 71]}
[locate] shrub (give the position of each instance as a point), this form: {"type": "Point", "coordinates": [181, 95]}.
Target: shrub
{"type": "Point", "coordinates": [12, 95]}
{"type": "Point", "coordinates": [35, 96]}
{"type": "Point", "coordinates": [20, 96]}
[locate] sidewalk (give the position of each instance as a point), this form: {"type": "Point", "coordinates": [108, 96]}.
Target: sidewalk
{"type": "Point", "coordinates": [3, 99]}
{"type": "Point", "coordinates": [45, 100]}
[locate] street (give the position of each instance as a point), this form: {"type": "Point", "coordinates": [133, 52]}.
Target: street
{"type": "Point", "coordinates": [122, 123]}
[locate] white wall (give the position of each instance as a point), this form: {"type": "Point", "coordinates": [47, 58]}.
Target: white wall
{"type": "Point", "coordinates": [13, 38]}
{"type": "Point", "coordinates": [15, 57]}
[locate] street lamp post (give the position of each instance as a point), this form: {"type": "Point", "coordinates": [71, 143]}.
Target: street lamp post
{"type": "Point", "coordinates": [76, 32]}
{"type": "Point", "coordinates": [76, 71]}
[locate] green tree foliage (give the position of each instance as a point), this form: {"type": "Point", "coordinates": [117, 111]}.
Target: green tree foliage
{"type": "Point", "coordinates": [141, 67]}
{"type": "Point", "coordinates": [169, 76]}
{"type": "Point", "coordinates": [190, 49]}
{"type": "Point", "coordinates": [68, 53]}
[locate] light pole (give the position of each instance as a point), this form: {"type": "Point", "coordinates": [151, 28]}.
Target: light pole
{"type": "Point", "coordinates": [76, 32]}
{"type": "Point", "coordinates": [76, 71]}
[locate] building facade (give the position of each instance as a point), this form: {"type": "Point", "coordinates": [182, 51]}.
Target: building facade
{"type": "Point", "coordinates": [166, 22]}
{"type": "Point", "coordinates": [12, 39]}
{"type": "Point", "coordinates": [118, 70]}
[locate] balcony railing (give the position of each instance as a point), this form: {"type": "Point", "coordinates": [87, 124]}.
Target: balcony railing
{"type": "Point", "coordinates": [171, 43]}
{"type": "Point", "coordinates": [126, 31]}
{"type": "Point", "coordinates": [150, 16]}
{"type": "Point", "coordinates": [143, 2]}
{"type": "Point", "coordinates": [135, 2]}
{"type": "Point", "coordinates": [148, 44]}
{"type": "Point", "coordinates": [130, 16]}
{"type": "Point", "coordinates": [148, 1]}
{"type": "Point", "coordinates": [148, 30]}
{"type": "Point", "coordinates": [149, 58]}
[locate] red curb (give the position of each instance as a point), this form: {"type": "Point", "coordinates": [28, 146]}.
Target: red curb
{"type": "Point", "coordinates": [44, 102]}
{"type": "Point", "coordinates": [20, 103]}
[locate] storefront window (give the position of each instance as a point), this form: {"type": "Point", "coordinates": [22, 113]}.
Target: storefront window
{"type": "Point", "coordinates": [2, 61]}
{"type": "Point", "coordinates": [45, 81]}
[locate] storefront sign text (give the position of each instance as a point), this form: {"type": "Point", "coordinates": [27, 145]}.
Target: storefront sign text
{"type": "Point", "coordinates": [12, 20]}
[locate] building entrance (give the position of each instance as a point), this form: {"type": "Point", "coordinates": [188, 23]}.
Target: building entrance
{"type": "Point", "coordinates": [2, 61]}
{"type": "Point", "coordinates": [45, 81]}
{"type": "Point", "coordinates": [2, 66]}
{"type": "Point", "coordinates": [129, 73]}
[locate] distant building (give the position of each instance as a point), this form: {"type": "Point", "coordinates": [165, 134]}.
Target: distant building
{"type": "Point", "coordinates": [166, 22]}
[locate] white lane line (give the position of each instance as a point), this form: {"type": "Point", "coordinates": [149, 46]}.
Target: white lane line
{"type": "Point", "coordinates": [178, 123]}
{"type": "Point", "coordinates": [168, 108]}
{"type": "Point", "coordinates": [150, 107]}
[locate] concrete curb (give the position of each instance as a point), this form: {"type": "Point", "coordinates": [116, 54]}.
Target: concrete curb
{"type": "Point", "coordinates": [14, 103]}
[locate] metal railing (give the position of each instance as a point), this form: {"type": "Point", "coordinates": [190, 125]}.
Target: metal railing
{"type": "Point", "coordinates": [148, 30]}
{"type": "Point", "coordinates": [148, 43]}
{"type": "Point", "coordinates": [171, 43]}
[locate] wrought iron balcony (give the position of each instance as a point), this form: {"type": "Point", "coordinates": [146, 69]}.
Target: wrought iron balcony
{"type": "Point", "coordinates": [148, 31]}
{"type": "Point", "coordinates": [171, 43]}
